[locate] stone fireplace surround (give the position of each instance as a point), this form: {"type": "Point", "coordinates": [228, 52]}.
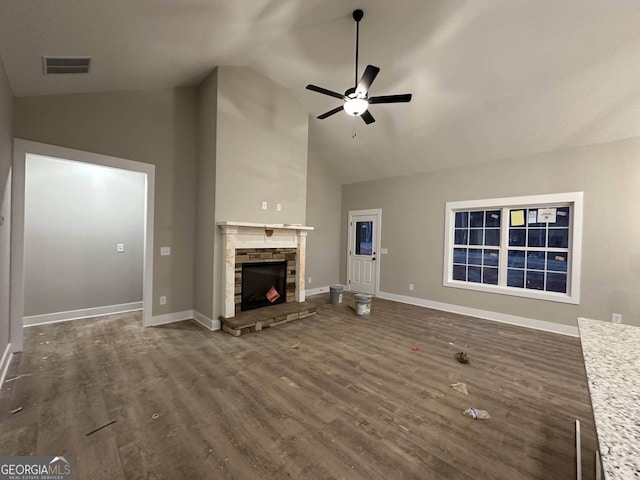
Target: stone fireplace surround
{"type": "Point", "coordinates": [265, 239]}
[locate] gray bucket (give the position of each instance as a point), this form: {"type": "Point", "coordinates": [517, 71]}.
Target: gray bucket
{"type": "Point", "coordinates": [335, 294]}
{"type": "Point", "coordinates": [363, 304]}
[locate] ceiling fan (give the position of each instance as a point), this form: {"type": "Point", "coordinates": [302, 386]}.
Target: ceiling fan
{"type": "Point", "coordinates": [356, 99]}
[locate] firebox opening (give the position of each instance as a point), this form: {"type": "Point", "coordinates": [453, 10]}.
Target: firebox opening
{"type": "Point", "coordinates": [259, 280]}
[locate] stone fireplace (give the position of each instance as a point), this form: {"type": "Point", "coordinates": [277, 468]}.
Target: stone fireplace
{"type": "Point", "coordinates": [255, 244]}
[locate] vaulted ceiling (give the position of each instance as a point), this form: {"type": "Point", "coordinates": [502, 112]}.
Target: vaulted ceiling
{"type": "Point", "coordinates": [491, 79]}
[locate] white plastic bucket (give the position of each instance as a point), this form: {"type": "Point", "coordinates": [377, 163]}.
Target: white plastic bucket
{"type": "Point", "coordinates": [363, 304]}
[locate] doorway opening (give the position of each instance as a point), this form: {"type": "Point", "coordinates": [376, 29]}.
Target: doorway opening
{"type": "Point", "coordinates": [28, 152]}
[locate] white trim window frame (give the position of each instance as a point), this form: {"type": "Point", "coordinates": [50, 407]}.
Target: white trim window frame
{"type": "Point", "coordinates": [499, 264]}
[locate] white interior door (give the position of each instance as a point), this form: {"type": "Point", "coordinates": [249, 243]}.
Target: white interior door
{"type": "Point", "coordinates": [363, 249]}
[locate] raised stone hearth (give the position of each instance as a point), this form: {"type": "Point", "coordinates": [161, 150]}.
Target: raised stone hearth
{"type": "Point", "coordinates": [260, 318]}
{"type": "Point", "coordinates": [256, 243]}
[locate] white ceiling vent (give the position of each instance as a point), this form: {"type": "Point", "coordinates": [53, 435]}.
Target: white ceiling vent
{"type": "Point", "coordinates": [53, 65]}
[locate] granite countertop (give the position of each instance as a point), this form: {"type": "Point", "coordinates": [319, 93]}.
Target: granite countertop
{"type": "Point", "coordinates": [612, 360]}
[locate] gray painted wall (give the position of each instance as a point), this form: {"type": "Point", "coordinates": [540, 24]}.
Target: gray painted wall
{"type": "Point", "coordinates": [413, 227]}
{"type": "Point", "coordinates": [324, 203]}
{"type": "Point", "coordinates": [153, 126]}
{"type": "Point", "coordinates": [206, 177]}
{"type": "Point", "coordinates": [261, 155]}
{"type": "Point", "coordinates": [6, 154]}
{"type": "Point", "coordinates": [75, 214]}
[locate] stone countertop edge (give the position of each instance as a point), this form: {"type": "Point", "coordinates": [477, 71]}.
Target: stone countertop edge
{"type": "Point", "coordinates": [612, 362]}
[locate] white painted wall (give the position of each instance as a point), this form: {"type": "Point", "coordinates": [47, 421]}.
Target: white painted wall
{"type": "Point", "coordinates": [75, 215]}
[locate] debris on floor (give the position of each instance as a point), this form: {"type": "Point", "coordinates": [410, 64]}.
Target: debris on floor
{"type": "Point", "coordinates": [404, 428]}
{"type": "Point", "coordinates": [289, 382]}
{"type": "Point", "coordinates": [460, 387]}
{"type": "Point", "coordinates": [100, 428]}
{"type": "Point", "coordinates": [16, 378]}
{"type": "Point", "coordinates": [415, 349]}
{"type": "Point", "coordinates": [462, 357]}
{"type": "Point", "coordinates": [296, 346]}
{"type": "Point", "coordinates": [15, 410]}
{"type": "Point", "coordinates": [451, 343]}
{"type": "Point", "coordinates": [155, 415]}
{"type": "Point", "coordinates": [477, 414]}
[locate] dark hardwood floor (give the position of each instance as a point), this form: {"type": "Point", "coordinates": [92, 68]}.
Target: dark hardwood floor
{"type": "Point", "coordinates": [352, 401]}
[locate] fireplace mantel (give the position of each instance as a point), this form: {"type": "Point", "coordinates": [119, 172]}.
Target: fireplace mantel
{"type": "Point", "coordinates": [237, 235]}
{"type": "Point", "coordinates": [269, 226]}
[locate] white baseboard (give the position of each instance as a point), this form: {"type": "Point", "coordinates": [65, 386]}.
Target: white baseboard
{"type": "Point", "coordinates": [206, 321]}
{"type": "Point", "coordinates": [316, 291]}
{"type": "Point", "coordinates": [4, 363]}
{"type": "Point", "coordinates": [78, 314]}
{"type": "Point", "coordinates": [485, 314]}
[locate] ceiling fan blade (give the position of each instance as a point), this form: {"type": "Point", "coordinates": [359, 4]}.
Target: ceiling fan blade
{"type": "Point", "coordinates": [325, 91]}
{"type": "Point", "coordinates": [406, 97]}
{"type": "Point", "coordinates": [367, 117]}
{"type": "Point", "coordinates": [367, 79]}
{"type": "Point", "coordinates": [330, 112]}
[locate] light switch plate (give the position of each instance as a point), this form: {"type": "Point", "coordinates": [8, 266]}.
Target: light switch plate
{"type": "Point", "coordinates": [384, 251]}
{"type": "Point", "coordinates": [163, 300]}
{"type": "Point", "coordinates": [264, 205]}
{"type": "Point", "coordinates": [164, 251]}
{"type": "Point", "coordinates": [120, 247]}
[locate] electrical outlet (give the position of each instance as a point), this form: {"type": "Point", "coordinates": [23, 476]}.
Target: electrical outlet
{"type": "Point", "coordinates": [309, 280]}
{"type": "Point", "coordinates": [163, 300]}
{"type": "Point", "coordinates": [264, 205]}
{"type": "Point", "coordinates": [616, 318]}
{"type": "Point", "coordinates": [279, 207]}
{"type": "Point", "coordinates": [411, 287]}
{"type": "Point", "coordinates": [164, 251]}
{"type": "Point", "coordinates": [120, 247]}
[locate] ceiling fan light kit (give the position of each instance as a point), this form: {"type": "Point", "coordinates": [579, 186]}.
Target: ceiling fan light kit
{"type": "Point", "coordinates": [356, 99]}
{"type": "Point", "coordinates": [356, 106]}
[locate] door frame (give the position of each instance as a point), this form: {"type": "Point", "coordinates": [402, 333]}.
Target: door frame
{"type": "Point", "coordinates": [22, 148]}
{"type": "Point", "coordinates": [378, 241]}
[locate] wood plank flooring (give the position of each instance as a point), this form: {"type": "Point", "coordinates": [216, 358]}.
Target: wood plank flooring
{"type": "Point", "coordinates": [352, 401]}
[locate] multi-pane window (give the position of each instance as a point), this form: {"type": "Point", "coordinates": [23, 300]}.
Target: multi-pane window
{"type": "Point", "coordinates": [538, 252]}
{"type": "Point", "coordinates": [524, 246]}
{"type": "Point", "coordinates": [476, 236]}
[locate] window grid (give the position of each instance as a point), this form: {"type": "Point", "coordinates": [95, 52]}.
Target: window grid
{"type": "Point", "coordinates": [476, 246]}
{"type": "Point", "coordinates": [503, 247]}
{"type": "Point", "coordinates": [559, 252]}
